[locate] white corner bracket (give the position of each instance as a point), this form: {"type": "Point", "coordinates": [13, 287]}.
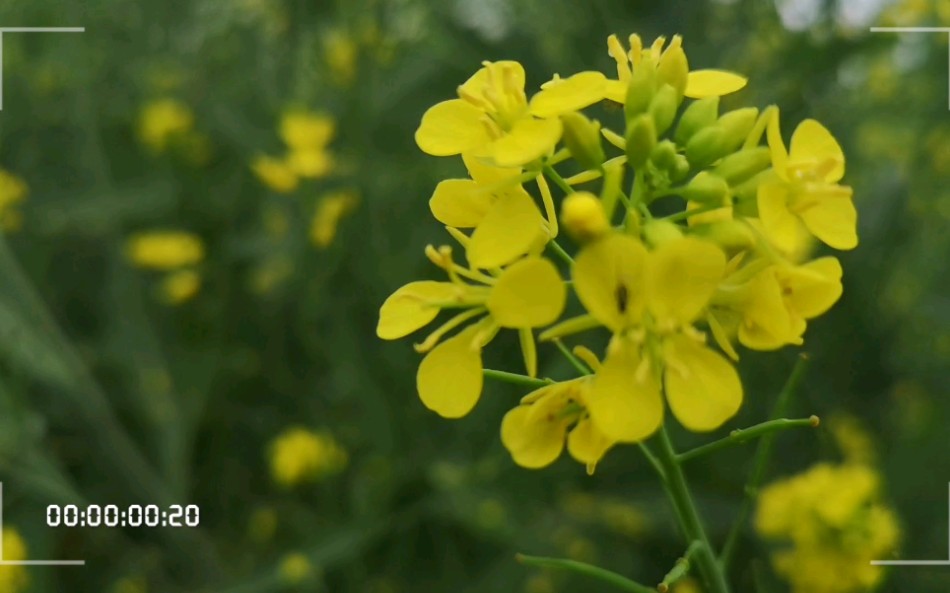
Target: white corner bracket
{"type": "Point", "coordinates": [920, 30]}
{"type": "Point", "coordinates": [920, 562]}
{"type": "Point", "coordinates": [29, 30]}
{"type": "Point", "coordinates": [29, 562]}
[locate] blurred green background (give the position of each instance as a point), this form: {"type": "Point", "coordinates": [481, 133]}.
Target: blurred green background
{"type": "Point", "coordinates": [114, 390]}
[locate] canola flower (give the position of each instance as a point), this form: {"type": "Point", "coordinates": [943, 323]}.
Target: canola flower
{"type": "Point", "coordinates": [13, 578]}
{"type": "Point", "coordinates": [299, 455]}
{"type": "Point", "coordinates": [175, 253]}
{"type": "Point", "coordinates": [13, 191]}
{"type": "Point", "coordinates": [165, 124]}
{"type": "Point", "coordinates": [306, 135]}
{"type": "Point", "coordinates": [677, 296]}
{"type": "Point", "coordinates": [331, 209]}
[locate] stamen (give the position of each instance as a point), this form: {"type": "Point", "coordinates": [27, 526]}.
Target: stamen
{"type": "Point", "coordinates": [473, 99]}
{"type": "Point", "coordinates": [656, 50]}
{"type": "Point", "coordinates": [549, 210]}
{"type": "Point", "coordinates": [433, 338]}
{"type": "Point", "coordinates": [636, 49]}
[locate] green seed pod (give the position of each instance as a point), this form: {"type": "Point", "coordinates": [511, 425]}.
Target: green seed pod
{"type": "Point", "coordinates": [657, 232]}
{"type": "Point", "coordinates": [663, 108]}
{"type": "Point", "coordinates": [582, 138]}
{"type": "Point", "coordinates": [737, 125]}
{"type": "Point", "coordinates": [706, 146]}
{"type": "Point", "coordinates": [700, 114]}
{"type": "Point", "coordinates": [641, 138]}
{"type": "Point", "coordinates": [707, 188]}
{"type": "Point", "coordinates": [740, 166]}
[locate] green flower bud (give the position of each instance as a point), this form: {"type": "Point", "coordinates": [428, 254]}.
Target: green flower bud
{"type": "Point", "coordinates": [680, 168]}
{"type": "Point", "coordinates": [731, 235]}
{"type": "Point", "coordinates": [663, 108]}
{"type": "Point", "coordinates": [673, 68]}
{"type": "Point", "coordinates": [740, 166]}
{"type": "Point", "coordinates": [746, 194]}
{"type": "Point", "coordinates": [612, 187]}
{"type": "Point", "coordinates": [631, 224]}
{"type": "Point", "coordinates": [664, 155]}
{"type": "Point", "coordinates": [657, 232]}
{"type": "Point", "coordinates": [640, 91]}
{"type": "Point", "coordinates": [700, 114]}
{"type": "Point", "coordinates": [707, 188]}
{"type": "Point", "coordinates": [641, 137]}
{"type": "Point", "coordinates": [737, 125]}
{"type": "Point", "coordinates": [706, 146]}
{"type": "Point", "coordinates": [582, 138]}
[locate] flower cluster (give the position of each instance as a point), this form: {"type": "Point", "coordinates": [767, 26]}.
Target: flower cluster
{"type": "Point", "coordinates": [726, 261]}
{"type": "Point", "coordinates": [177, 253]}
{"type": "Point", "coordinates": [299, 454]}
{"type": "Point", "coordinates": [306, 136]}
{"type": "Point", "coordinates": [168, 124]}
{"type": "Point", "coordinates": [835, 525]}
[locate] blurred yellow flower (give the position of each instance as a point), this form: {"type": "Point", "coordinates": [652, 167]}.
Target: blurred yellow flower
{"type": "Point", "coordinates": [275, 173]}
{"type": "Point", "coordinates": [834, 524]}
{"type": "Point", "coordinates": [299, 454]}
{"type": "Point", "coordinates": [13, 190]}
{"type": "Point", "coordinates": [305, 130]}
{"type": "Point", "coordinates": [262, 525]}
{"type": "Point", "coordinates": [852, 438]}
{"type": "Point", "coordinates": [340, 53]}
{"type": "Point", "coordinates": [331, 208]}
{"type": "Point", "coordinates": [132, 584]}
{"type": "Point", "coordinates": [180, 286]}
{"type": "Point", "coordinates": [13, 578]}
{"type": "Point", "coordinates": [163, 119]}
{"type": "Point", "coordinates": [164, 250]}
{"type": "Point", "coordinates": [296, 568]}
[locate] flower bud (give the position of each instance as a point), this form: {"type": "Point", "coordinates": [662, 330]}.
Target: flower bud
{"type": "Point", "coordinates": [582, 214]}
{"type": "Point", "coordinates": [612, 188]}
{"type": "Point", "coordinates": [641, 138]}
{"type": "Point", "coordinates": [706, 146]}
{"type": "Point", "coordinates": [657, 232]}
{"type": "Point", "coordinates": [673, 69]}
{"type": "Point", "coordinates": [663, 108]}
{"type": "Point", "coordinates": [640, 91]}
{"type": "Point", "coordinates": [740, 166]}
{"type": "Point", "coordinates": [582, 138]}
{"type": "Point", "coordinates": [700, 114]}
{"type": "Point", "coordinates": [746, 194]}
{"type": "Point", "coordinates": [664, 155]}
{"type": "Point", "coordinates": [731, 235]}
{"type": "Point", "coordinates": [707, 188]}
{"type": "Point", "coordinates": [736, 126]}
{"type": "Point", "coordinates": [680, 168]}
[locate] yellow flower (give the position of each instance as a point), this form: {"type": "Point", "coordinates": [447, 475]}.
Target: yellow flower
{"type": "Point", "coordinates": [527, 294]}
{"type": "Point", "coordinates": [164, 250]}
{"type": "Point", "coordinates": [340, 53]}
{"type": "Point", "coordinates": [835, 525]}
{"type": "Point", "coordinates": [492, 119]}
{"type": "Point", "coordinates": [276, 174]}
{"type": "Point", "coordinates": [507, 222]}
{"type": "Point", "coordinates": [13, 190]}
{"type": "Point", "coordinates": [296, 568]}
{"type": "Point", "coordinates": [534, 432]}
{"type": "Point", "coordinates": [305, 130]}
{"type": "Point", "coordinates": [13, 578]}
{"type": "Point", "coordinates": [132, 584]}
{"type": "Point", "coordinates": [331, 208]}
{"type": "Point", "coordinates": [162, 120]}
{"type": "Point", "coordinates": [672, 68]}
{"type": "Point", "coordinates": [180, 286]}
{"type": "Point", "coordinates": [805, 190]}
{"type": "Point", "coordinates": [299, 454]}
{"type": "Point", "coordinates": [649, 300]}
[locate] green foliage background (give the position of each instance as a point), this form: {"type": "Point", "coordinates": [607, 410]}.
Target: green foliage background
{"type": "Point", "coordinates": [108, 396]}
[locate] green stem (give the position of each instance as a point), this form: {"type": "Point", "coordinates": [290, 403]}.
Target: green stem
{"type": "Point", "coordinates": [681, 567]}
{"type": "Point", "coordinates": [678, 492]}
{"type": "Point", "coordinates": [559, 251]}
{"type": "Point", "coordinates": [575, 362]}
{"type": "Point", "coordinates": [762, 455]}
{"type": "Point", "coordinates": [741, 435]}
{"type": "Point", "coordinates": [557, 179]}
{"type": "Point", "coordinates": [619, 581]}
{"type": "Point", "coordinates": [687, 213]}
{"type": "Point", "coordinates": [516, 378]}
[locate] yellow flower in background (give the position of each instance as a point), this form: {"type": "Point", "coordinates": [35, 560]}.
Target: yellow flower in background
{"type": "Point", "coordinates": [162, 120]}
{"type": "Point", "coordinates": [131, 584]}
{"type": "Point", "coordinates": [295, 568]}
{"type": "Point", "coordinates": [13, 579]}
{"type": "Point", "coordinates": [331, 208]}
{"type": "Point", "coordinates": [262, 525]}
{"type": "Point", "coordinates": [527, 294]}
{"type": "Point", "coordinates": [180, 286]}
{"type": "Point", "coordinates": [805, 190]}
{"type": "Point", "coordinates": [164, 250]}
{"type": "Point", "coordinates": [299, 455]}
{"type": "Point", "coordinates": [340, 52]}
{"type": "Point", "coordinates": [13, 190]}
{"type": "Point", "coordinates": [276, 174]}
{"type": "Point", "coordinates": [535, 432]}
{"type": "Point", "coordinates": [852, 438]}
{"type": "Point", "coordinates": [649, 300]}
{"type": "Point", "coordinates": [305, 130]}
{"type": "Point", "coordinates": [832, 523]}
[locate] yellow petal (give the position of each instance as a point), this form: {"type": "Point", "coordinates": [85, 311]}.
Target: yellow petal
{"type": "Point", "coordinates": [813, 142]}
{"type": "Point", "coordinates": [833, 218]}
{"type": "Point", "coordinates": [766, 324]}
{"type": "Point", "coordinates": [608, 278]}
{"type": "Point", "coordinates": [623, 407]}
{"type": "Point", "coordinates": [702, 387]}
{"type": "Point", "coordinates": [533, 443]}
{"type": "Point", "coordinates": [586, 444]}
{"type": "Point", "coordinates": [570, 94]}
{"type": "Point", "coordinates": [459, 203]}
{"type": "Point", "coordinates": [682, 277]}
{"type": "Point", "coordinates": [530, 293]}
{"type": "Point", "coordinates": [712, 83]}
{"type": "Point", "coordinates": [529, 349]}
{"type": "Point", "coordinates": [616, 91]}
{"type": "Point", "coordinates": [507, 232]}
{"type": "Point", "coordinates": [529, 139]}
{"type": "Point", "coordinates": [449, 378]}
{"type": "Point", "coordinates": [451, 127]}
{"type": "Point", "coordinates": [773, 132]}
{"type": "Point", "coordinates": [485, 173]}
{"type": "Point", "coordinates": [813, 288]}
{"type": "Point", "coordinates": [409, 308]}
{"type": "Point", "coordinates": [781, 227]}
{"type": "Point", "coordinates": [491, 75]}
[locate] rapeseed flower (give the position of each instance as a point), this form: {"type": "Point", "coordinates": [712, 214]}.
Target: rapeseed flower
{"type": "Point", "coordinates": [300, 454]}
{"type": "Point", "coordinates": [13, 579]}
{"type": "Point", "coordinates": [162, 121]}
{"type": "Point", "coordinates": [331, 208]}
{"type": "Point", "coordinates": [13, 190]}
{"type": "Point", "coordinates": [164, 250]}
{"type": "Point", "coordinates": [306, 135]}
